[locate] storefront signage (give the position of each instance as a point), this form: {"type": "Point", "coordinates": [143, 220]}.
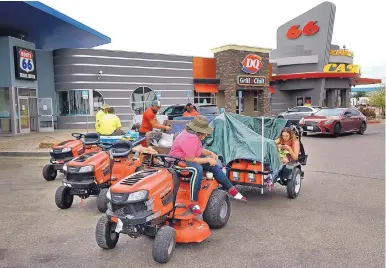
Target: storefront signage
{"type": "Point", "coordinates": [309, 29]}
{"type": "Point", "coordinates": [25, 63]}
{"type": "Point", "coordinates": [252, 64]}
{"type": "Point", "coordinates": [342, 68]}
{"type": "Point", "coordinates": [341, 52]}
{"type": "Point", "coordinates": [252, 81]}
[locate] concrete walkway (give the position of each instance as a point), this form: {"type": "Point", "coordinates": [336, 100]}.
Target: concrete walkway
{"type": "Point", "coordinates": [28, 144]}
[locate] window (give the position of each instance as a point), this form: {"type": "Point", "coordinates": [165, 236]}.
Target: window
{"type": "Point", "coordinates": [330, 112]}
{"type": "Point", "coordinates": [97, 100]}
{"type": "Point", "coordinates": [299, 101]}
{"type": "Point", "coordinates": [72, 102]}
{"type": "Point", "coordinates": [239, 101]}
{"type": "Point", "coordinates": [305, 109]}
{"type": "Point", "coordinates": [255, 101]}
{"type": "Point", "coordinates": [168, 111]}
{"type": "Point", "coordinates": [5, 118]}
{"type": "Point", "coordinates": [179, 110]}
{"type": "Point", "coordinates": [294, 109]}
{"type": "Point", "coordinates": [204, 98]}
{"type": "Point", "coordinates": [141, 99]}
{"type": "Point", "coordinates": [354, 112]}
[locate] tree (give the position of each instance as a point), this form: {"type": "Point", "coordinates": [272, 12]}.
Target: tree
{"type": "Point", "coordinates": [377, 98]}
{"type": "Point", "coordinates": [360, 94]}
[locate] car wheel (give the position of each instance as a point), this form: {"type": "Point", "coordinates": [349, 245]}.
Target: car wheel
{"type": "Point", "coordinates": [102, 200]}
{"type": "Point", "coordinates": [337, 130]}
{"type": "Point", "coordinates": [294, 185]}
{"type": "Point", "coordinates": [164, 244]}
{"type": "Point", "coordinates": [63, 197]}
{"type": "Point", "coordinates": [49, 173]}
{"type": "Point", "coordinates": [362, 128]}
{"type": "Point", "coordinates": [105, 234]}
{"type": "Point", "coordinates": [218, 210]}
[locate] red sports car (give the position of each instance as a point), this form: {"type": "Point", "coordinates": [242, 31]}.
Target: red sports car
{"type": "Point", "coordinates": [334, 122]}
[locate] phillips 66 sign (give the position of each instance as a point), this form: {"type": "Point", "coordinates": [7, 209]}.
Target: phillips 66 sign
{"type": "Point", "coordinates": [25, 63]}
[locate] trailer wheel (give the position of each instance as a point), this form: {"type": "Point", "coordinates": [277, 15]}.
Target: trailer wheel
{"type": "Point", "coordinates": [164, 244]}
{"type": "Point", "coordinates": [218, 210]}
{"type": "Point", "coordinates": [105, 234]}
{"type": "Point", "coordinates": [102, 200]}
{"type": "Point", "coordinates": [294, 184]}
{"type": "Point", "coordinates": [49, 173]}
{"type": "Point", "coordinates": [63, 198]}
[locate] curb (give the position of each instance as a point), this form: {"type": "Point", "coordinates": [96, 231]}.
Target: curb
{"type": "Point", "coordinates": [25, 154]}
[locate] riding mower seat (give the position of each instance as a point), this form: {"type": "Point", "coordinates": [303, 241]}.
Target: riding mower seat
{"type": "Point", "coordinates": [121, 149]}
{"type": "Point", "coordinates": [91, 139]}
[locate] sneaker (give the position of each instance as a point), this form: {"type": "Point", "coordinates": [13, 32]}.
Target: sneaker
{"type": "Point", "coordinates": [195, 209]}
{"type": "Point", "coordinates": [235, 194]}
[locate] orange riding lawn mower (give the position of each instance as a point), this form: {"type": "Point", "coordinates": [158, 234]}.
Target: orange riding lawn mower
{"type": "Point", "coordinates": [67, 150]}
{"type": "Point", "coordinates": [153, 202]}
{"type": "Point", "coordinates": [91, 174]}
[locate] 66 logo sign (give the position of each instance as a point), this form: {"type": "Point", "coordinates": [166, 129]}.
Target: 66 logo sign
{"type": "Point", "coordinates": [309, 29]}
{"type": "Point", "coordinates": [25, 63]}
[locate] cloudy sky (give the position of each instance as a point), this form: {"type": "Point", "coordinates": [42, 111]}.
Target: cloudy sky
{"type": "Point", "coordinates": [196, 26]}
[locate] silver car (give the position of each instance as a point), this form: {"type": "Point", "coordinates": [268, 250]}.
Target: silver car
{"type": "Point", "coordinates": [295, 114]}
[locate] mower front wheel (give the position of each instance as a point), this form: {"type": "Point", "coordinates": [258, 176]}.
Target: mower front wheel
{"type": "Point", "coordinates": [63, 198]}
{"type": "Point", "coordinates": [49, 173]}
{"type": "Point", "coordinates": [105, 234]}
{"type": "Point", "coordinates": [102, 200]}
{"type": "Point", "coordinates": [294, 185]}
{"type": "Point", "coordinates": [164, 244]}
{"type": "Point", "coordinates": [218, 210]}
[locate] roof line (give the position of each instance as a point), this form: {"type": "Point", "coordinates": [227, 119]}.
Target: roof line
{"type": "Point", "coordinates": [65, 18]}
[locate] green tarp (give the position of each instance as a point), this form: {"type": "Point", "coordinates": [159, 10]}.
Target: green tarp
{"type": "Point", "coordinates": [239, 137]}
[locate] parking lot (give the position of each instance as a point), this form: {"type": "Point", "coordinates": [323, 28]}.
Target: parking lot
{"type": "Point", "coordinates": [338, 220]}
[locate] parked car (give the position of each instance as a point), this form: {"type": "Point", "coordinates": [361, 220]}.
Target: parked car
{"type": "Point", "coordinates": [296, 113]}
{"type": "Point", "coordinates": [334, 122]}
{"type": "Point", "coordinates": [178, 110]}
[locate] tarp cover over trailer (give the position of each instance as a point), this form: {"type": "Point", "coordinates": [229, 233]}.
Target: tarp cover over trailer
{"type": "Point", "coordinates": [239, 137]}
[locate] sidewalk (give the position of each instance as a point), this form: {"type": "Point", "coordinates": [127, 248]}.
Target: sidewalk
{"type": "Point", "coordinates": [28, 144]}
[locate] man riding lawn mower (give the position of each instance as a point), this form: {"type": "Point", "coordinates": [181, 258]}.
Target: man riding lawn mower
{"type": "Point", "coordinates": [67, 150]}
{"type": "Point", "coordinates": [93, 173]}
{"type": "Point", "coordinates": [154, 202]}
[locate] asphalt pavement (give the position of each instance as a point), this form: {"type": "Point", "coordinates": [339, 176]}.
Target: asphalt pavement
{"type": "Point", "coordinates": [338, 220]}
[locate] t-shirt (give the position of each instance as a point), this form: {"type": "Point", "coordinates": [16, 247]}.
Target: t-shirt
{"type": "Point", "coordinates": [186, 144]}
{"type": "Point", "coordinates": [109, 123]}
{"type": "Point", "coordinates": [192, 113]}
{"type": "Point", "coordinates": [148, 116]}
{"type": "Point", "coordinates": [98, 118]}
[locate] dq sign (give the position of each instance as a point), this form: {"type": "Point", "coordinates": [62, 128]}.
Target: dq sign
{"type": "Point", "coordinates": [25, 63]}
{"type": "Point", "coordinates": [252, 64]}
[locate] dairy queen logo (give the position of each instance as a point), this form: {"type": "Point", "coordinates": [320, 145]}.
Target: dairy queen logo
{"type": "Point", "coordinates": [26, 61]}
{"type": "Point", "coordinates": [252, 64]}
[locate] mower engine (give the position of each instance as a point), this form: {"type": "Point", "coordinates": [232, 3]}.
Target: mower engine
{"type": "Point", "coordinates": [88, 173]}
{"type": "Point", "coordinates": [141, 202]}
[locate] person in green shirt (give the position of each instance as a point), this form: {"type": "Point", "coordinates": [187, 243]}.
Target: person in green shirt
{"type": "Point", "coordinates": [110, 124]}
{"type": "Point", "coordinates": [102, 112]}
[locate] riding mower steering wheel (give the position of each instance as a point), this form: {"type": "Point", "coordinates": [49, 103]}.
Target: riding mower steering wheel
{"type": "Point", "coordinates": [167, 161]}
{"type": "Point", "coordinates": [78, 136]}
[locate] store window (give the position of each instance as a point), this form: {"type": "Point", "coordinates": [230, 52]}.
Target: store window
{"type": "Point", "coordinates": [204, 98]}
{"type": "Point", "coordinates": [73, 103]}
{"type": "Point", "coordinates": [239, 101]}
{"type": "Point", "coordinates": [5, 117]}
{"type": "Point", "coordinates": [255, 101]}
{"type": "Point", "coordinates": [141, 99]}
{"type": "Point", "coordinates": [97, 100]}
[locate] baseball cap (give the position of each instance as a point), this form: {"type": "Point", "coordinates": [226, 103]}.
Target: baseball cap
{"type": "Point", "coordinates": [156, 103]}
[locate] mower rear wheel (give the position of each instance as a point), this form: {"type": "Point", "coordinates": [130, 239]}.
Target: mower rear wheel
{"type": "Point", "coordinates": [63, 198]}
{"type": "Point", "coordinates": [49, 173]}
{"type": "Point", "coordinates": [218, 210]}
{"type": "Point", "coordinates": [105, 234]}
{"type": "Point", "coordinates": [102, 200]}
{"type": "Point", "coordinates": [294, 185]}
{"type": "Point", "coordinates": [164, 244]}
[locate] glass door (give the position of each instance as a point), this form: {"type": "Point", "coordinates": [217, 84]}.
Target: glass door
{"type": "Point", "coordinates": [46, 121]}
{"type": "Point", "coordinates": [24, 115]}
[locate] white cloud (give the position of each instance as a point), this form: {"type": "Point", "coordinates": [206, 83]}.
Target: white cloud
{"type": "Point", "coordinates": [195, 27]}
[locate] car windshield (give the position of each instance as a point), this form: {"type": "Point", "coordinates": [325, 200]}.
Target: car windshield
{"type": "Point", "coordinates": [329, 112]}
{"type": "Point", "coordinates": [209, 110]}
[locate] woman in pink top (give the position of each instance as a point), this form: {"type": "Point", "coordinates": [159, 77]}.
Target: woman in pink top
{"type": "Point", "coordinates": [188, 147]}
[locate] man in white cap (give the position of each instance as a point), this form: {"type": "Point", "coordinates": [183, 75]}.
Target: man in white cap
{"type": "Point", "coordinates": [99, 115]}
{"type": "Point", "coordinates": [149, 119]}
